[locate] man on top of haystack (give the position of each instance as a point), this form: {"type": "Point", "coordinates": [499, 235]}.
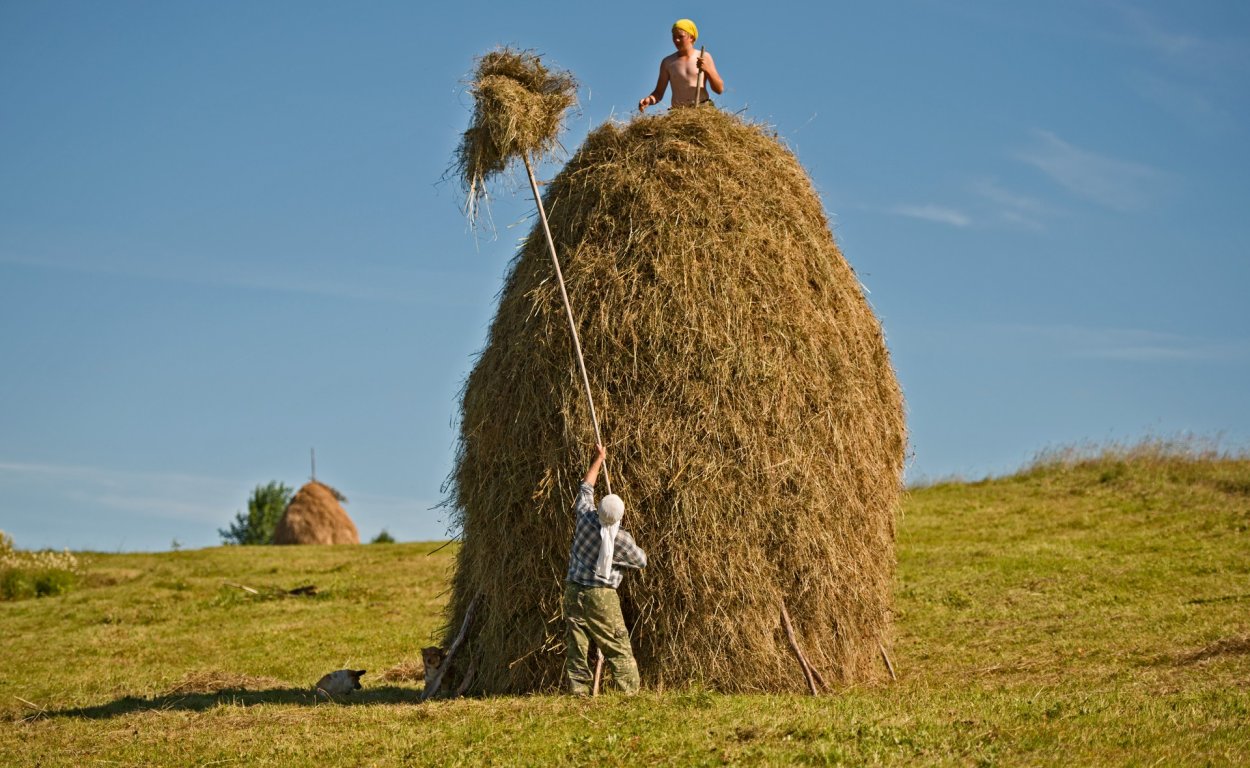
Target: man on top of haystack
{"type": "Point", "coordinates": [682, 70]}
{"type": "Point", "coordinates": [592, 609]}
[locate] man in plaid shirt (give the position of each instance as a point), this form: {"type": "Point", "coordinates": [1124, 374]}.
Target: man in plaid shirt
{"type": "Point", "coordinates": [592, 609]}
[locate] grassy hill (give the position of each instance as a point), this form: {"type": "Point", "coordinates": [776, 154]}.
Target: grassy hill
{"type": "Point", "coordinates": [1084, 611]}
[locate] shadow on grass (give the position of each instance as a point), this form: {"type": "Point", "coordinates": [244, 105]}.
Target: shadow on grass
{"type": "Point", "coordinates": [200, 701]}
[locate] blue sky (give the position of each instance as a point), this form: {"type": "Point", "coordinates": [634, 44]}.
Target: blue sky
{"type": "Point", "coordinates": [225, 238]}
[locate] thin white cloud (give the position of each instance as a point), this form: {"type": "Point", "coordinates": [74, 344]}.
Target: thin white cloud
{"type": "Point", "coordinates": [935, 213]}
{"type": "Point", "coordinates": [1198, 78]}
{"type": "Point", "coordinates": [1188, 103]}
{"type": "Point", "coordinates": [1148, 31]}
{"type": "Point", "coordinates": [1011, 207]}
{"type": "Point", "coordinates": [1117, 184]}
{"type": "Point", "coordinates": [1130, 344]}
{"type": "Point", "coordinates": [440, 287]}
{"type": "Point", "coordinates": [167, 495]}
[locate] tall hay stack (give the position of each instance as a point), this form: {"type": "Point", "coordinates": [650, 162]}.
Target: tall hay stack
{"type": "Point", "coordinates": [315, 516]}
{"type": "Point", "coordinates": [754, 423]}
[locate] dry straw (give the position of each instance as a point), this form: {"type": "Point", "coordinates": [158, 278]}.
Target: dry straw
{"type": "Point", "coordinates": [747, 398]}
{"type": "Point", "coordinates": [518, 106]}
{"type": "Point", "coordinates": [314, 516]}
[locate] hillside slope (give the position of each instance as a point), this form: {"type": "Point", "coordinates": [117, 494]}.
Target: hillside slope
{"type": "Point", "coordinates": [1079, 612]}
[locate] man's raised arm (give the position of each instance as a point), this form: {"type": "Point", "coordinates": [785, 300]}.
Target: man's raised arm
{"type": "Point", "coordinates": [592, 474]}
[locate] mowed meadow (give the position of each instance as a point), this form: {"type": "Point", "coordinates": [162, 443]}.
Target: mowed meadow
{"type": "Point", "coordinates": [1089, 610]}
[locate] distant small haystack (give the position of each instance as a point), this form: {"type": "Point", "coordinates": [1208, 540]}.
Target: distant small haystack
{"type": "Point", "coordinates": [315, 516]}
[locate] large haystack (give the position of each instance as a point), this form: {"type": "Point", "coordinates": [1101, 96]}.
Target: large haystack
{"type": "Point", "coordinates": [754, 423]}
{"type": "Point", "coordinates": [315, 516]}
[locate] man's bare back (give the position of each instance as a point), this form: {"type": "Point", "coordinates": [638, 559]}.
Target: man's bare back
{"type": "Point", "coordinates": [681, 71]}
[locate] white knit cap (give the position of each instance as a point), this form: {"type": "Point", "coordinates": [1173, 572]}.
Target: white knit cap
{"type": "Point", "coordinates": [611, 509]}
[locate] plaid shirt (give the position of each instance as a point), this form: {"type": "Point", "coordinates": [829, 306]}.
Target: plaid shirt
{"type": "Point", "coordinates": [625, 552]}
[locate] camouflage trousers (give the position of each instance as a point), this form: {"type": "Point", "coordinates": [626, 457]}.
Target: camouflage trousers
{"type": "Point", "coordinates": [594, 614]}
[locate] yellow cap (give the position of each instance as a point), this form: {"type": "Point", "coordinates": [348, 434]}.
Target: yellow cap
{"type": "Point", "coordinates": [688, 26]}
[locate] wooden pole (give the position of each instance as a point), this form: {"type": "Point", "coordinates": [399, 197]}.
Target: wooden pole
{"type": "Point", "coordinates": [698, 79]}
{"type": "Point", "coordinates": [437, 681]}
{"type": "Point", "coordinates": [594, 690]}
{"type": "Point", "coordinates": [794, 644]}
{"type": "Point", "coordinates": [568, 310]}
{"type": "Point", "coordinates": [888, 665]}
{"type": "Point", "coordinates": [468, 678]}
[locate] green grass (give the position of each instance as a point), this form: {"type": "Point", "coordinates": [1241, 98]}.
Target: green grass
{"type": "Point", "coordinates": [1087, 611]}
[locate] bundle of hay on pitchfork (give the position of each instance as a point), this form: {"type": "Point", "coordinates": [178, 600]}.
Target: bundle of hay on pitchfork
{"type": "Point", "coordinates": [743, 386]}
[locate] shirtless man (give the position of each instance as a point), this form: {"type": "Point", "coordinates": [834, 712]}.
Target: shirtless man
{"type": "Point", "coordinates": [681, 70]}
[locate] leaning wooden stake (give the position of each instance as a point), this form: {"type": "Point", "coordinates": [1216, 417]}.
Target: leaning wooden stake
{"type": "Point", "coordinates": [594, 690]}
{"type": "Point", "coordinates": [888, 665]}
{"type": "Point", "coordinates": [568, 310]}
{"type": "Point", "coordinates": [468, 678]}
{"type": "Point", "coordinates": [808, 672]}
{"type": "Point", "coordinates": [437, 681]}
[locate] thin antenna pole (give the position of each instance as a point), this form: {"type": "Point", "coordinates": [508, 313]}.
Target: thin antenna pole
{"type": "Point", "coordinates": [568, 310]}
{"type": "Point", "coordinates": [314, 462]}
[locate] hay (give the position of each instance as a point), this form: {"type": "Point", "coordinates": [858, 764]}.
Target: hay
{"type": "Point", "coordinates": [407, 671]}
{"type": "Point", "coordinates": [518, 106]}
{"type": "Point", "coordinates": [754, 422]}
{"type": "Point", "coordinates": [315, 517]}
{"type": "Point", "coordinates": [216, 681]}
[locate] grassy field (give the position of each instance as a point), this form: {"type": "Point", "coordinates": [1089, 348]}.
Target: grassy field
{"type": "Point", "coordinates": [1090, 612]}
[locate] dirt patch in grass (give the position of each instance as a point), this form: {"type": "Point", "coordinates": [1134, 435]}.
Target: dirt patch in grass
{"type": "Point", "coordinates": [1228, 646]}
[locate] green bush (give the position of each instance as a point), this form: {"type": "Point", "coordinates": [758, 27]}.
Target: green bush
{"type": "Point", "coordinates": [383, 538]}
{"type": "Point", "coordinates": [35, 574]}
{"type": "Point", "coordinates": [264, 510]}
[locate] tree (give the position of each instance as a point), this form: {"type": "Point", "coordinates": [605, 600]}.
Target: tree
{"type": "Point", "coordinates": [264, 510]}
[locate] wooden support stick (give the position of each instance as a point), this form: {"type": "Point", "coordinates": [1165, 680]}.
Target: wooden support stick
{"type": "Point", "coordinates": [888, 665]}
{"type": "Point", "coordinates": [594, 691]}
{"type": "Point", "coordinates": [794, 643]}
{"type": "Point", "coordinates": [437, 682]}
{"type": "Point", "coordinates": [468, 678]}
{"type": "Point", "coordinates": [820, 681]}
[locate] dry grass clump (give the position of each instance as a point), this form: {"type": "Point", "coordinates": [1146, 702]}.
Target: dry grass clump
{"type": "Point", "coordinates": [754, 423]}
{"type": "Point", "coordinates": [406, 671]}
{"type": "Point", "coordinates": [518, 106]}
{"type": "Point", "coordinates": [314, 516]}
{"type": "Point", "coordinates": [216, 681]}
{"type": "Point", "coordinates": [1153, 449]}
